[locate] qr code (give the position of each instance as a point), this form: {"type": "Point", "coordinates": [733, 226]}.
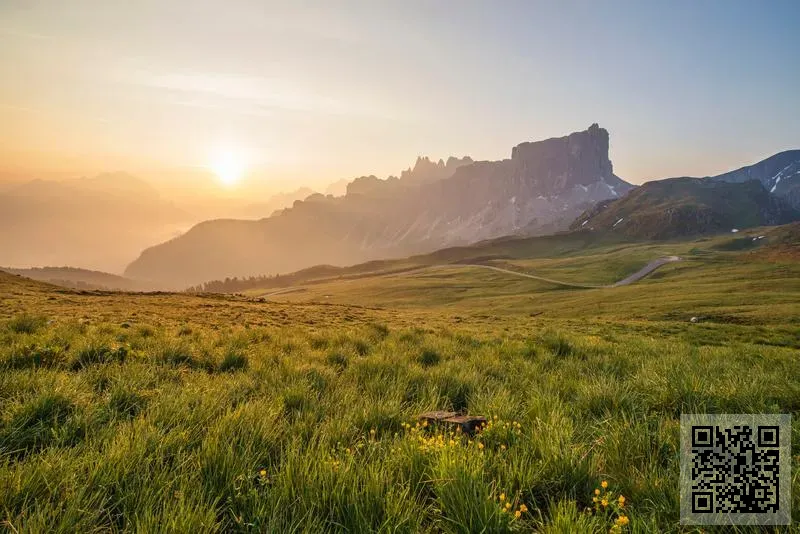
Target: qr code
{"type": "Point", "coordinates": [735, 469]}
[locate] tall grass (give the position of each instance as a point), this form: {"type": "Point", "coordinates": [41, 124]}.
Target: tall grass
{"type": "Point", "coordinates": [107, 427]}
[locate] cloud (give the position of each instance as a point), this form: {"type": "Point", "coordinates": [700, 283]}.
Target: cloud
{"type": "Point", "coordinates": [251, 95]}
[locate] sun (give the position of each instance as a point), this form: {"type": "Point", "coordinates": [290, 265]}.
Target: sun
{"type": "Point", "coordinates": [229, 166]}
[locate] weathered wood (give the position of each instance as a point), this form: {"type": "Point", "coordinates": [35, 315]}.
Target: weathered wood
{"type": "Point", "coordinates": [467, 423]}
{"type": "Point", "coordinates": [436, 417]}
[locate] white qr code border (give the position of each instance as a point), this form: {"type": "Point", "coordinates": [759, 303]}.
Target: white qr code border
{"type": "Point", "coordinates": [692, 446]}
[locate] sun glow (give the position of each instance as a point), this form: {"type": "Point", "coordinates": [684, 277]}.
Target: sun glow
{"type": "Point", "coordinates": [229, 166]}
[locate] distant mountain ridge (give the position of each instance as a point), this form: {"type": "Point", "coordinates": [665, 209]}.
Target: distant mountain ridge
{"type": "Point", "coordinates": [540, 189]}
{"type": "Point", "coordinates": [99, 222]}
{"type": "Point", "coordinates": [779, 174]}
{"type": "Point", "coordinates": [757, 195]}
{"type": "Point", "coordinates": [76, 278]}
{"type": "Point", "coordinates": [103, 222]}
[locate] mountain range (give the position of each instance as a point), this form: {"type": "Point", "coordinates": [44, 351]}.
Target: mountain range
{"type": "Point", "coordinates": [540, 189]}
{"type": "Point", "coordinates": [103, 222]}
{"type": "Point", "coordinates": [558, 184]}
{"type": "Point", "coordinates": [99, 221]}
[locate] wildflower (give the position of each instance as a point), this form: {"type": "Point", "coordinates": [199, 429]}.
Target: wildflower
{"type": "Point", "coordinates": [604, 502]}
{"type": "Point", "coordinates": [523, 508]}
{"type": "Point", "coordinates": [595, 499]}
{"type": "Point", "coordinates": [263, 473]}
{"type": "Point", "coordinates": [502, 447]}
{"type": "Point", "coordinates": [621, 500]}
{"type": "Point", "coordinates": [597, 492]}
{"type": "Point", "coordinates": [517, 514]}
{"type": "Point", "coordinates": [502, 497]}
{"type": "Point", "coordinates": [604, 484]}
{"type": "Point", "coordinates": [622, 520]}
{"type": "Point", "coordinates": [480, 445]}
{"type": "Point", "coordinates": [508, 506]}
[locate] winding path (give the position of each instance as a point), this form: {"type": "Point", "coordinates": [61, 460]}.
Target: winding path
{"type": "Point", "coordinates": [638, 275]}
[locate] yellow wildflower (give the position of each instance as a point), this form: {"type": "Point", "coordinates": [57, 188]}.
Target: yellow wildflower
{"type": "Point", "coordinates": [508, 506]}
{"type": "Point", "coordinates": [517, 514]}
{"type": "Point", "coordinates": [502, 497]}
{"type": "Point", "coordinates": [263, 472]}
{"type": "Point", "coordinates": [480, 445]}
{"type": "Point", "coordinates": [604, 484]}
{"type": "Point", "coordinates": [597, 492]}
{"type": "Point", "coordinates": [622, 520]}
{"type": "Point", "coordinates": [502, 447]}
{"type": "Point", "coordinates": [523, 508]}
{"type": "Point", "coordinates": [604, 502]}
{"type": "Point", "coordinates": [621, 500]}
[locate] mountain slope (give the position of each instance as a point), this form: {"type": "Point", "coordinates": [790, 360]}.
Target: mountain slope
{"type": "Point", "coordinates": [678, 207]}
{"type": "Point", "coordinates": [540, 189]}
{"type": "Point", "coordinates": [79, 278]}
{"type": "Point", "coordinates": [779, 174]}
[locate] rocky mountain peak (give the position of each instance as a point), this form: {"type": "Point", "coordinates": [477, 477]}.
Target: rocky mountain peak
{"type": "Point", "coordinates": [434, 204]}
{"type": "Point", "coordinates": [558, 164]}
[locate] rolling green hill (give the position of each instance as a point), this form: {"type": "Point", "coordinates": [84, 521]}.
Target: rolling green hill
{"type": "Point", "coordinates": [678, 207]}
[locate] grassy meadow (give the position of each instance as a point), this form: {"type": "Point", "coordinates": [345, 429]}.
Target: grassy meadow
{"type": "Point", "coordinates": [297, 411]}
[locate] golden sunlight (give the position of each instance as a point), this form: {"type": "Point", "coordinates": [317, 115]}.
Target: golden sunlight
{"type": "Point", "coordinates": [228, 166]}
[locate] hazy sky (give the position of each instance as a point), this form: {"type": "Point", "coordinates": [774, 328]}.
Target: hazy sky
{"type": "Point", "coordinates": [311, 92]}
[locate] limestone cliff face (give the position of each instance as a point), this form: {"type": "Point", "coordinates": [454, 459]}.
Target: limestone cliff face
{"type": "Point", "coordinates": [540, 189]}
{"type": "Point", "coordinates": [555, 165]}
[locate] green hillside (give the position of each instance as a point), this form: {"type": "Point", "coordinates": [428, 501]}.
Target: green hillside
{"type": "Point", "coordinates": [679, 207]}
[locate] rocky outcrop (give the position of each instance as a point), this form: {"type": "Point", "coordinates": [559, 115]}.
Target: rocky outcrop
{"type": "Point", "coordinates": [426, 171]}
{"type": "Point", "coordinates": [540, 189]}
{"type": "Point", "coordinates": [555, 165]}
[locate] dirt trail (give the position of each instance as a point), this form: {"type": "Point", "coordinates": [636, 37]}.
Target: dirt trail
{"type": "Point", "coordinates": [638, 275]}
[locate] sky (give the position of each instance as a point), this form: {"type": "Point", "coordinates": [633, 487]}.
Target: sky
{"type": "Point", "coordinates": [304, 93]}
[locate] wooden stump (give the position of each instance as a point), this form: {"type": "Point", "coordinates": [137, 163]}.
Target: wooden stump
{"type": "Point", "coordinates": [467, 423]}
{"type": "Point", "coordinates": [436, 417]}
